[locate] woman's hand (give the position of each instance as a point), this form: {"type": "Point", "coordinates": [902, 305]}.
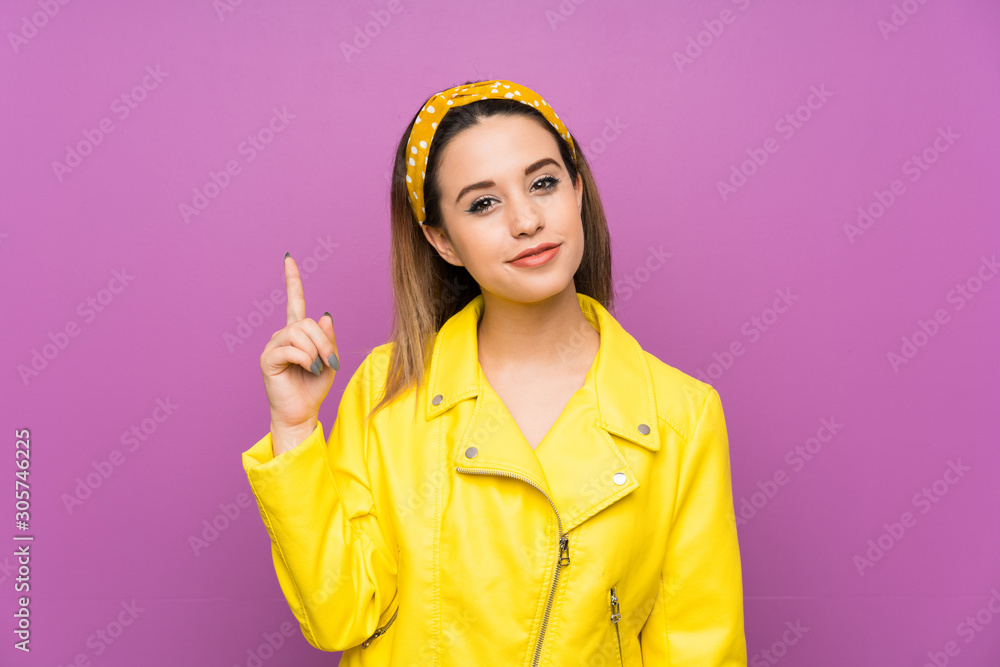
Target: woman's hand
{"type": "Point", "coordinates": [296, 368]}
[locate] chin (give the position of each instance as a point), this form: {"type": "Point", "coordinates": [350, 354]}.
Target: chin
{"type": "Point", "coordinates": [534, 290]}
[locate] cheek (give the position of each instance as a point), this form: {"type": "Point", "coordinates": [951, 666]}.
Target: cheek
{"type": "Point", "coordinates": [482, 251]}
{"type": "Point", "coordinates": [571, 212]}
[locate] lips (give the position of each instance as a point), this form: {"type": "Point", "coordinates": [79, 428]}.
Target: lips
{"type": "Point", "coordinates": [542, 247]}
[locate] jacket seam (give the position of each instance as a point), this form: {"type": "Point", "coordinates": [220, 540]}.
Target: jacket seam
{"type": "Point", "coordinates": [651, 408]}
{"type": "Point", "coordinates": [281, 553]}
{"type": "Point", "coordinates": [652, 386]}
{"type": "Point", "coordinates": [368, 404]}
{"type": "Point", "coordinates": [436, 568]}
{"type": "Point", "coordinates": [704, 408]}
{"type": "Point", "coordinates": [674, 425]}
{"type": "Point", "coordinates": [361, 537]}
{"type": "Point", "coordinates": [673, 517]}
{"type": "Point", "coordinates": [366, 543]}
{"type": "Point", "coordinates": [701, 417]}
{"type": "Point", "coordinates": [666, 629]}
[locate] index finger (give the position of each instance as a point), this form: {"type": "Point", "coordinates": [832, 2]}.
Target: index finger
{"type": "Point", "coordinates": [293, 285]}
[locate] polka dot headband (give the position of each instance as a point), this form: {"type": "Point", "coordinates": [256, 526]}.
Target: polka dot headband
{"type": "Point", "coordinates": [419, 144]}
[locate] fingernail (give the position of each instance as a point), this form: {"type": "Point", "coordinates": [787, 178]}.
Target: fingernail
{"type": "Point", "coordinates": [327, 313]}
{"type": "Point", "coordinates": [287, 255]}
{"type": "Point", "coordinates": [334, 362]}
{"type": "Point", "coordinates": [317, 366]}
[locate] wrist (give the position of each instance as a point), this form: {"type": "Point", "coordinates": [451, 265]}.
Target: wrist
{"type": "Point", "coordinates": [285, 437]}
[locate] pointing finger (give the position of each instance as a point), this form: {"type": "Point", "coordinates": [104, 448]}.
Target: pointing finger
{"type": "Point", "coordinates": [293, 286]}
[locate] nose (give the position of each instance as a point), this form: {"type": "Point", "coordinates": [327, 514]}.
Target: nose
{"type": "Point", "coordinates": [526, 216]}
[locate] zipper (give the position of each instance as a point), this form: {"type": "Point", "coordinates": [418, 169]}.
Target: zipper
{"type": "Point", "coordinates": [563, 551]}
{"type": "Point", "coordinates": [381, 631]}
{"type": "Point", "coordinates": [616, 615]}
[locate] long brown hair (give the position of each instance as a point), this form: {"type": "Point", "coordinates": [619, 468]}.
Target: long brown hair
{"type": "Point", "coordinates": [427, 290]}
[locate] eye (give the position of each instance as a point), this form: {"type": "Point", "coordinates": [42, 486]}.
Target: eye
{"type": "Point", "coordinates": [480, 205]}
{"type": "Point", "coordinates": [551, 180]}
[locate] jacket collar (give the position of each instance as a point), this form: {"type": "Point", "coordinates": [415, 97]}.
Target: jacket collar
{"type": "Point", "coordinates": [581, 469]}
{"type": "Point", "coordinates": [624, 385]}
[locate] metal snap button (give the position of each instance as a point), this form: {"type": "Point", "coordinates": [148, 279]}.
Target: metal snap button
{"type": "Point", "coordinates": [619, 478]}
{"type": "Point", "coordinates": [471, 452]}
{"type": "Point", "coordinates": [437, 399]}
{"type": "Point", "coordinates": [643, 429]}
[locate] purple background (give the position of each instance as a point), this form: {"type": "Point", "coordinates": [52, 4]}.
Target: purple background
{"type": "Point", "coordinates": [671, 133]}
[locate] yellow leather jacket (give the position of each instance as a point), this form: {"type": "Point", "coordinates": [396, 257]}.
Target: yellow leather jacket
{"type": "Point", "coordinates": [434, 535]}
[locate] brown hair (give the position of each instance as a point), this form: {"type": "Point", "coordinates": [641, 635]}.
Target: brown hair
{"type": "Point", "coordinates": [427, 290]}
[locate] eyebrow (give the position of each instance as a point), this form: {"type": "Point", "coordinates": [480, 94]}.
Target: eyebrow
{"type": "Point", "coordinates": [534, 166]}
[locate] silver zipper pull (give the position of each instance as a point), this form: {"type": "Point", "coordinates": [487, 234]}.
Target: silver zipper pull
{"type": "Point", "coordinates": [380, 631]}
{"type": "Point", "coordinates": [616, 615]}
{"type": "Point", "coordinates": [564, 549]}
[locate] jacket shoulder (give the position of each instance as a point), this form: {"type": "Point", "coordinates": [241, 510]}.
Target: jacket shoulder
{"type": "Point", "coordinates": [375, 367]}
{"type": "Point", "coordinates": [378, 360]}
{"type": "Point", "coordinates": [680, 398]}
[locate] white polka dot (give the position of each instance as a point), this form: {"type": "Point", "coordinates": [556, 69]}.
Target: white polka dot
{"type": "Point", "coordinates": [450, 102]}
{"type": "Point", "coordinates": [494, 90]}
{"type": "Point", "coordinates": [430, 109]}
{"type": "Point", "coordinates": [425, 159]}
{"type": "Point", "coordinates": [422, 174]}
{"type": "Point", "coordinates": [408, 179]}
{"type": "Point", "coordinates": [509, 95]}
{"type": "Point", "coordinates": [412, 163]}
{"type": "Point", "coordinates": [434, 125]}
{"type": "Point", "coordinates": [422, 210]}
{"type": "Point", "coordinates": [536, 102]}
{"type": "Point", "coordinates": [423, 144]}
{"type": "Point", "coordinates": [518, 93]}
{"type": "Point", "coordinates": [544, 104]}
{"type": "Point", "coordinates": [413, 149]}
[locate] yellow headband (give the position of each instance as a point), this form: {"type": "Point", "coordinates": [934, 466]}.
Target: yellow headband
{"type": "Point", "coordinates": [419, 144]}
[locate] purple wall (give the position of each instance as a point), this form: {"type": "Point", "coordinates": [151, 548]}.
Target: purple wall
{"type": "Point", "coordinates": [841, 292]}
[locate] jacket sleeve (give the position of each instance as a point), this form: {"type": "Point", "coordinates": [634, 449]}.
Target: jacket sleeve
{"type": "Point", "coordinates": [336, 564]}
{"type": "Point", "coordinates": [697, 617]}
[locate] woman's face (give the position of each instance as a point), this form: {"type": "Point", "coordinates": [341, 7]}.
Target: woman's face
{"type": "Point", "coordinates": [520, 196]}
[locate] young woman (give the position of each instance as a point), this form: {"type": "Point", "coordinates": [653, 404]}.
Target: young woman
{"type": "Point", "coordinates": [512, 479]}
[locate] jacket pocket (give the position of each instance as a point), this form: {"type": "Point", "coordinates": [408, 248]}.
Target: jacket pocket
{"type": "Point", "coordinates": [394, 601]}
{"type": "Point", "coordinates": [616, 615]}
{"type": "Point", "coordinates": [382, 630]}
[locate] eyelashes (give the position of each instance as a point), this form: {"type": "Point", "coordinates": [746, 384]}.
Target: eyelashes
{"type": "Point", "coordinates": [479, 206]}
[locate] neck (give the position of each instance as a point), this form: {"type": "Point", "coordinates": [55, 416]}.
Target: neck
{"type": "Point", "coordinates": [544, 334]}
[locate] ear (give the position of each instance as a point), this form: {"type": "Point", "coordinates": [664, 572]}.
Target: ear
{"type": "Point", "coordinates": [442, 244]}
{"type": "Point", "coordinates": [578, 187]}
